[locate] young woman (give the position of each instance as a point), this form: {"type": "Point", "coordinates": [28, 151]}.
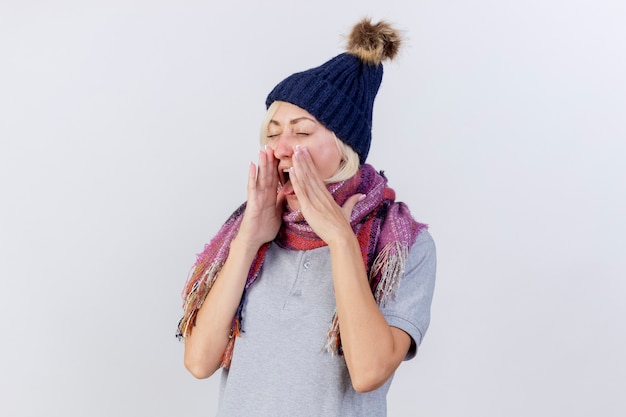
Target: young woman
{"type": "Point", "coordinates": [319, 286]}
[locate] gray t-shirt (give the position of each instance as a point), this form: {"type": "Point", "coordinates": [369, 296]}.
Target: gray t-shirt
{"type": "Point", "coordinates": [279, 367]}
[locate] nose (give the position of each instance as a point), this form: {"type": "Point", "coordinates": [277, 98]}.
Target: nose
{"type": "Point", "coordinates": [283, 146]}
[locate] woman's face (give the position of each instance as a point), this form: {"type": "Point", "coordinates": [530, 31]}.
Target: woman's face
{"type": "Point", "coordinates": [291, 126]}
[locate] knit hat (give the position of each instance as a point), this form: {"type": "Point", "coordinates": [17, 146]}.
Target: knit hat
{"type": "Point", "coordinates": [340, 93]}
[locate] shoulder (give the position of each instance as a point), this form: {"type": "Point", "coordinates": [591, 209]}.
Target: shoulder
{"type": "Point", "coordinates": [422, 251]}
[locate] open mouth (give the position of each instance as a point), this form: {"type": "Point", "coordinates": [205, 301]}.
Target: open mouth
{"type": "Point", "coordinates": [283, 176]}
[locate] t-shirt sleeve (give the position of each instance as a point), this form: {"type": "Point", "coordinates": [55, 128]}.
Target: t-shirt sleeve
{"type": "Point", "coordinates": [410, 309]}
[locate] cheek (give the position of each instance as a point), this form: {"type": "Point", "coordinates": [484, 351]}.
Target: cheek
{"type": "Point", "coordinates": [327, 161]}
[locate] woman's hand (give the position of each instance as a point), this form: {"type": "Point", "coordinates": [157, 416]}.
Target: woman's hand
{"type": "Point", "coordinates": [263, 216]}
{"type": "Point", "coordinates": [322, 213]}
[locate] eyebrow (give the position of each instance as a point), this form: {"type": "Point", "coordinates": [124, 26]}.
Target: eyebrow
{"type": "Point", "coordinates": [294, 121]}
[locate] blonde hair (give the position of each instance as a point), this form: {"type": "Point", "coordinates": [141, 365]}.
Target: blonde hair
{"type": "Point", "coordinates": [349, 158]}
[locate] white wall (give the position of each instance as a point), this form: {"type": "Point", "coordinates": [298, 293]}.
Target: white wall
{"type": "Point", "coordinates": [125, 133]}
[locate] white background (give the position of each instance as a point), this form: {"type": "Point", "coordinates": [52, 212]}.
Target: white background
{"type": "Point", "coordinates": [126, 129]}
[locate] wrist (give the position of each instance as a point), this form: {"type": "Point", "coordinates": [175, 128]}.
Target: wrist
{"type": "Point", "coordinates": [247, 247]}
{"type": "Point", "coordinates": [343, 241]}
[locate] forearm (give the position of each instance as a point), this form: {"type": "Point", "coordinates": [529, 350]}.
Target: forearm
{"type": "Point", "coordinates": [372, 349]}
{"type": "Point", "coordinates": [210, 335]}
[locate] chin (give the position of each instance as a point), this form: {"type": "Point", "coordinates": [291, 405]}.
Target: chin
{"type": "Point", "coordinates": [293, 203]}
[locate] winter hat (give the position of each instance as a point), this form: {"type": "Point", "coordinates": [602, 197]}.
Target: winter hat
{"type": "Point", "coordinates": [340, 93]}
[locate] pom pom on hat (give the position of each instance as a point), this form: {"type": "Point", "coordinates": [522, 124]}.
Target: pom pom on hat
{"type": "Point", "coordinates": [373, 43]}
{"type": "Point", "coordinates": [340, 93]}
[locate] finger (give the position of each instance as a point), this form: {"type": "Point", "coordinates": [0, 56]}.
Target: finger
{"type": "Point", "coordinates": [268, 170]}
{"type": "Point", "coordinates": [300, 182]}
{"type": "Point", "coordinates": [261, 177]}
{"type": "Point", "coordinates": [294, 177]}
{"type": "Point", "coordinates": [309, 178]}
{"type": "Point", "coordinates": [304, 162]}
{"type": "Point", "coordinates": [348, 206]}
{"type": "Point", "coordinates": [270, 153]}
{"type": "Point", "coordinates": [272, 165]}
{"type": "Point", "coordinates": [251, 179]}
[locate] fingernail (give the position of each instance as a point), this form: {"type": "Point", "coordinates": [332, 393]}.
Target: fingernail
{"type": "Point", "coordinates": [362, 197]}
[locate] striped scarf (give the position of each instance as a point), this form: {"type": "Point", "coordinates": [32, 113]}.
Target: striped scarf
{"type": "Point", "coordinates": [384, 229]}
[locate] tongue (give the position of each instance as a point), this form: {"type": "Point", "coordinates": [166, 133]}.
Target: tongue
{"type": "Point", "coordinates": [287, 189]}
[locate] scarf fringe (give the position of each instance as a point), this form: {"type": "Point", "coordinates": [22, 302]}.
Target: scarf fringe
{"type": "Point", "coordinates": [389, 263]}
{"type": "Point", "coordinates": [227, 356]}
{"type": "Point", "coordinates": [333, 341]}
{"type": "Point", "coordinates": [194, 300]}
{"type": "Point", "coordinates": [200, 287]}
